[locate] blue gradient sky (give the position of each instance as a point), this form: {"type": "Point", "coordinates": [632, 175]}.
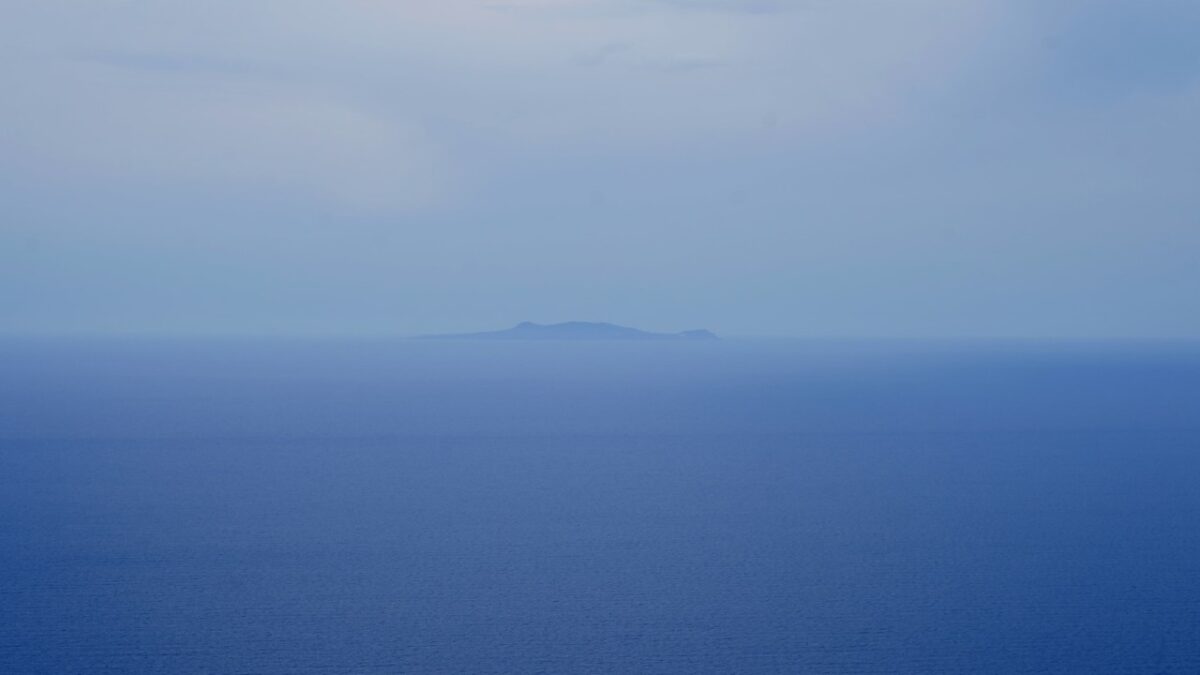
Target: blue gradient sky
{"type": "Point", "coordinates": [926, 168]}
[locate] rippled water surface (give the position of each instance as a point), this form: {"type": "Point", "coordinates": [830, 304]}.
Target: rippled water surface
{"type": "Point", "coordinates": [739, 507]}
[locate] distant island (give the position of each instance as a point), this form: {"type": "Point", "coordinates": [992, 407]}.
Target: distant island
{"type": "Point", "coordinates": [572, 330]}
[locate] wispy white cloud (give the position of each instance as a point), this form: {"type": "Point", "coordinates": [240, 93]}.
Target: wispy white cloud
{"type": "Point", "coordinates": [351, 100]}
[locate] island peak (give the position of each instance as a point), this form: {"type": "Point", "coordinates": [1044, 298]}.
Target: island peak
{"type": "Point", "coordinates": [574, 330]}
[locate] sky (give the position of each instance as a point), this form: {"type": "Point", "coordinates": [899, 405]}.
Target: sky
{"type": "Point", "coordinates": [810, 168]}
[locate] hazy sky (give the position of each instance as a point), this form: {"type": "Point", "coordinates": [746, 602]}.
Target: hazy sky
{"type": "Point", "coordinates": [805, 167]}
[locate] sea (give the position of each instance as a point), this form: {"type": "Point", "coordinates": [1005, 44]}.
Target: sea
{"type": "Point", "coordinates": [737, 506]}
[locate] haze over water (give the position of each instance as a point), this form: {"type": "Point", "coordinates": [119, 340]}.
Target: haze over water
{"type": "Point", "coordinates": [1014, 180]}
{"type": "Point", "coordinates": [733, 506]}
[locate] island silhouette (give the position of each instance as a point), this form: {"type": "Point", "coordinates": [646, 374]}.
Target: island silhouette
{"type": "Point", "coordinates": [572, 330]}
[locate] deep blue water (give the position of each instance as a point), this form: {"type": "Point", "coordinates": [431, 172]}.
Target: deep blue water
{"type": "Point", "coordinates": [735, 507]}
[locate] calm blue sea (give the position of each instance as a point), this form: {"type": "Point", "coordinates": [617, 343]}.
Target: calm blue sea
{"type": "Point", "coordinates": [364, 506]}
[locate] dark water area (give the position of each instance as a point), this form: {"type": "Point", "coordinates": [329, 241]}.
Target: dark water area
{"type": "Point", "coordinates": [730, 507]}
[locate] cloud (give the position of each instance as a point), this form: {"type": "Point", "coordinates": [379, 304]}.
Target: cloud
{"type": "Point", "coordinates": [164, 62]}
{"type": "Point", "coordinates": [144, 125]}
{"type": "Point", "coordinates": [367, 103]}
